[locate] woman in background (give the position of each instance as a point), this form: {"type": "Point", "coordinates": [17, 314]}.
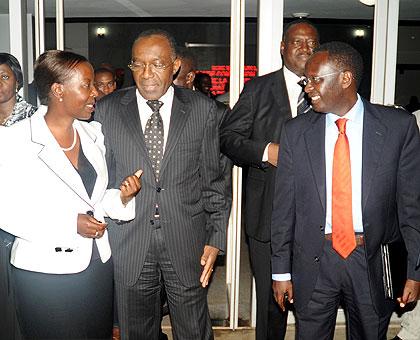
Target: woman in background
{"type": "Point", "coordinates": [12, 109]}
{"type": "Point", "coordinates": [54, 199]}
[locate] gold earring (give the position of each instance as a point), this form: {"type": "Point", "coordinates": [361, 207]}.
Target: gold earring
{"type": "Point", "coordinates": [60, 99]}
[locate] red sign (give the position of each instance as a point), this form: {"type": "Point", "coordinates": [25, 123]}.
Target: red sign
{"type": "Point", "coordinates": [220, 76]}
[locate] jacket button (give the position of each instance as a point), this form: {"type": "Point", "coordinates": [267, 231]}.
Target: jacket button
{"type": "Point", "coordinates": [321, 227]}
{"type": "Point", "coordinates": [158, 189]}
{"type": "Point", "coordinates": [152, 222]}
{"type": "Point", "coordinates": [316, 259]}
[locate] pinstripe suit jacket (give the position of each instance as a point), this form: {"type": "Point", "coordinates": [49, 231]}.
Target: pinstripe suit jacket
{"type": "Point", "coordinates": [190, 189]}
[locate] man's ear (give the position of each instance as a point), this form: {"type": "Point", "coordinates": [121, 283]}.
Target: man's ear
{"type": "Point", "coordinates": [190, 77]}
{"type": "Point", "coordinates": [347, 79]}
{"type": "Point", "coordinates": [177, 65]}
{"type": "Point", "coordinates": [282, 45]}
{"type": "Point", "coordinates": [57, 90]}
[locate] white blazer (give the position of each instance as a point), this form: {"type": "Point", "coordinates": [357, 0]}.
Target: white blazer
{"type": "Point", "coordinates": [42, 194]}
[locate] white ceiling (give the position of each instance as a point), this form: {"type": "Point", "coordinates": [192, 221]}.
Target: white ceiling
{"type": "Point", "coordinates": [334, 9]}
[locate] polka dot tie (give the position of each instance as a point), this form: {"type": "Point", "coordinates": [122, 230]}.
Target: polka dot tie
{"type": "Point", "coordinates": [153, 135]}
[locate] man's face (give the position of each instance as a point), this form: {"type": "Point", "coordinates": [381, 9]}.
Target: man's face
{"type": "Point", "coordinates": [204, 85]}
{"type": "Point", "coordinates": [104, 83]}
{"type": "Point", "coordinates": [298, 45]}
{"type": "Point", "coordinates": [325, 85]}
{"type": "Point", "coordinates": [186, 75]}
{"type": "Point", "coordinates": [153, 66]}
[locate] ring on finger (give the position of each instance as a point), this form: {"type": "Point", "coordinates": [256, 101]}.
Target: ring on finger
{"type": "Point", "coordinates": [125, 183]}
{"type": "Point", "coordinates": [97, 233]}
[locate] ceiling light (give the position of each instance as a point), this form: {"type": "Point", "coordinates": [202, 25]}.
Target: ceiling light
{"type": "Point", "coordinates": [300, 15]}
{"type": "Point", "coordinates": [359, 33]}
{"type": "Point", "coordinates": [368, 2]}
{"type": "Point", "coordinates": [101, 32]}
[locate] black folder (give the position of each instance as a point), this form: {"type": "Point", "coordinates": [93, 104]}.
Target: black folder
{"type": "Point", "coordinates": [394, 265]}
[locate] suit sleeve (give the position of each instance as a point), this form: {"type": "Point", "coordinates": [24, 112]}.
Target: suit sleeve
{"type": "Point", "coordinates": [236, 131]}
{"type": "Point", "coordinates": [283, 216]}
{"type": "Point", "coordinates": [213, 184]}
{"type": "Point", "coordinates": [408, 197]}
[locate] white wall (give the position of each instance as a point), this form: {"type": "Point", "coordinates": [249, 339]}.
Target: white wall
{"type": "Point", "coordinates": [4, 36]}
{"type": "Point", "coordinates": [77, 38]}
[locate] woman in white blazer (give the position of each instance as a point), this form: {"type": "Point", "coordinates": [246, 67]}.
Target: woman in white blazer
{"type": "Point", "coordinates": [54, 199]}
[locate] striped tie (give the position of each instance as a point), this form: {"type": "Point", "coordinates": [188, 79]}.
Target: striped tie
{"type": "Point", "coordinates": [303, 104]}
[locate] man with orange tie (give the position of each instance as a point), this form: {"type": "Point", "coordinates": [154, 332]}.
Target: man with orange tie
{"type": "Point", "coordinates": [347, 182]}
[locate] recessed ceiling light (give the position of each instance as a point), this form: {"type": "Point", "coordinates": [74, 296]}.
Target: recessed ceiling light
{"type": "Point", "coordinates": [300, 15]}
{"type": "Point", "coordinates": [368, 2]}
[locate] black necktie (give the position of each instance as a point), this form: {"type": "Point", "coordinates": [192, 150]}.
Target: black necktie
{"type": "Point", "coordinates": [153, 135]}
{"type": "Point", "coordinates": [303, 103]}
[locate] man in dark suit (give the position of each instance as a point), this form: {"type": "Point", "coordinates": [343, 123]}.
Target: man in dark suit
{"type": "Point", "coordinates": [348, 183]}
{"type": "Point", "coordinates": [249, 136]}
{"type": "Point", "coordinates": [180, 223]}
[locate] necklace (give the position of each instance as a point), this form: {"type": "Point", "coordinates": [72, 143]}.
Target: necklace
{"type": "Point", "coordinates": [74, 141]}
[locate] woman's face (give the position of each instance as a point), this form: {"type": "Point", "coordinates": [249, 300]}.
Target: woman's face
{"type": "Point", "coordinates": [79, 92]}
{"type": "Point", "coordinates": [7, 84]}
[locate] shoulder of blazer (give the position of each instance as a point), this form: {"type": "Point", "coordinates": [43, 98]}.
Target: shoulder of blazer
{"type": "Point", "coordinates": [267, 80]}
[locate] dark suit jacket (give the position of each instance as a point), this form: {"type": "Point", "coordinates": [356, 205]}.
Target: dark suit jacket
{"type": "Point", "coordinates": [390, 197]}
{"type": "Point", "coordinates": [257, 119]}
{"type": "Point", "coordinates": [189, 192]}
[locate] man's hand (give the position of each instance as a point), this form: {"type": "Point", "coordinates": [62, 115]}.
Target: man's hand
{"type": "Point", "coordinates": [283, 290]}
{"type": "Point", "coordinates": [130, 186]}
{"type": "Point", "coordinates": [411, 292]}
{"type": "Point", "coordinates": [273, 153]}
{"type": "Point", "coordinates": [207, 261]}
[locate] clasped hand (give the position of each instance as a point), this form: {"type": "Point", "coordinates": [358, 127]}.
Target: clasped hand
{"type": "Point", "coordinates": [89, 226]}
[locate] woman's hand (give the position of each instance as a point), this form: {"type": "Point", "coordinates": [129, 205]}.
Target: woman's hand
{"type": "Point", "coordinates": [89, 226]}
{"type": "Point", "coordinates": [130, 186]}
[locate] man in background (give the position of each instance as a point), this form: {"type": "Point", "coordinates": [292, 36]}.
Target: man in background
{"type": "Point", "coordinates": [104, 82]}
{"type": "Point", "coordinates": [250, 136]}
{"type": "Point", "coordinates": [186, 73]}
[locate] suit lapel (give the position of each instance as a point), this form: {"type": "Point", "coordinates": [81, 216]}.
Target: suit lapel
{"type": "Point", "coordinates": [131, 119]}
{"type": "Point", "coordinates": [281, 97]}
{"type": "Point", "coordinates": [374, 135]}
{"type": "Point", "coordinates": [179, 116]}
{"type": "Point", "coordinates": [315, 144]}
{"type": "Point", "coordinates": [54, 158]}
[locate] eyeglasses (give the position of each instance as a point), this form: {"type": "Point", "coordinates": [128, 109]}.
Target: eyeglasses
{"type": "Point", "coordinates": [317, 79]}
{"type": "Point", "coordinates": [154, 67]}
{"type": "Point", "coordinates": [101, 86]}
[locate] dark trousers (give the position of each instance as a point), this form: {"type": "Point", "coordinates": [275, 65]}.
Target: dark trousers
{"type": "Point", "coordinates": [345, 281]}
{"type": "Point", "coordinates": [139, 306]}
{"type": "Point", "coordinates": [271, 321]}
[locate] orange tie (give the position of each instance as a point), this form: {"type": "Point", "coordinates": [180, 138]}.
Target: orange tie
{"type": "Point", "coordinates": [343, 238]}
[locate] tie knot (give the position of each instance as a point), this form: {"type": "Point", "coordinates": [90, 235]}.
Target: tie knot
{"type": "Point", "coordinates": [155, 105]}
{"type": "Point", "coordinates": [341, 124]}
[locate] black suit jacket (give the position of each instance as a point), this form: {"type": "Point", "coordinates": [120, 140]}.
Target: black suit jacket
{"type": "Point", "coordinates": [390, 197]}
{"type": "Point", "coordinates": [256, 120]}
{"type": "Point", "coordinates": [190, 191]}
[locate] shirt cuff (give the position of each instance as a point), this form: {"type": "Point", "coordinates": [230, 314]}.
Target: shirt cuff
{"type": "Point", "coordinates": [265, 154]}
{"type": "Point", "coordinates": [281, 277]}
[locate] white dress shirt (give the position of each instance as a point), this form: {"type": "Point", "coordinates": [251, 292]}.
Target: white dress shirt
{"type": "Point", "coordinates": [354, 132]}
{"type": "Point", "coordinates": [165, 111]}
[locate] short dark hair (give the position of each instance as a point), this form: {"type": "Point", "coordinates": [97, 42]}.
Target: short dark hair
{"type": "Point", "coordinates": [162, 33]}
{"type": "Point", "coordinates": [289, 25]}
{"type": "Point", "coordinates": [54, 66]}
{"type": "Point", "coordinates": [13, 63]}
{"type": "Point", "coordinates": [345, 57]}
{"type": "Point", "coordinates": [186, 54]}
{"type": "Point", "coordinates": [104, 70]}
